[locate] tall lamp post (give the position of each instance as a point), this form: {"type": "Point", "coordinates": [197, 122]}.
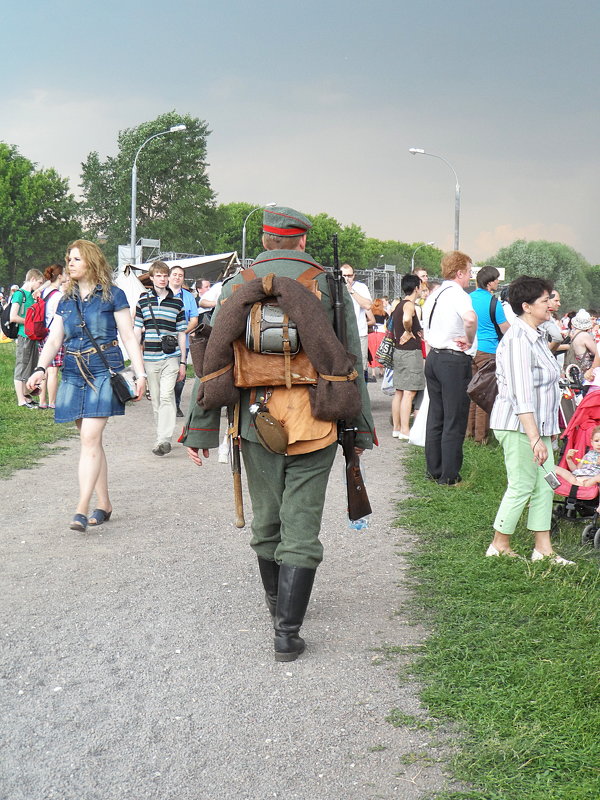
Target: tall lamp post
{"type": "Point", "coordinates": [254, 210]}
{"type": "Point", "coordinates": [412, 261]}
{"type": "Point", "coordinates": [419, 151]}
{"type": "Point", "coordinates": [172, 129]}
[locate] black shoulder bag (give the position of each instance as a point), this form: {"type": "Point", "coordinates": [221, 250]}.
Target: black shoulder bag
{"type": "Point", "coordinates": [122, 388]}
{"type": "Point", "coordinates": [168, 342]}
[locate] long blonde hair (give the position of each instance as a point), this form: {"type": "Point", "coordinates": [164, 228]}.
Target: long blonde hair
{"type": "Point", "coordinates": [99, 270]}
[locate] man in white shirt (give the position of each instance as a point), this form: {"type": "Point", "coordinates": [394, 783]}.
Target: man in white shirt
{"type": "Point", "coordinates": [362, 301]}
{"type": "Point", "coordinates": [450, 326]}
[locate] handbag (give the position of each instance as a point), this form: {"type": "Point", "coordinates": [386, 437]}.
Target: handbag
{"type": "Point", "coordinates": [168, 342]}
{"type": "Point", "coordinates": [121, 382]}
{"type": "Point", "coordinates": [483, 387]}
{"type": "Point", "coordinates": [385, 352]}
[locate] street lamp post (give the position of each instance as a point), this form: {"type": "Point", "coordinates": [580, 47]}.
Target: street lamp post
{"type": "Point", "coordinates": [419, 151]}
{"type": "Point", "coordinates": [412, 260]}
{"type": "Point", "coordinates": [172, 129]}
{"type": "Point", "coordinates": [254, 210]}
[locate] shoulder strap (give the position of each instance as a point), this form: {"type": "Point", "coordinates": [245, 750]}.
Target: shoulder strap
{"type": "Point", "coordinates": [153, 317]}
{"type": "Point", "coordinates": [435, 304]}
{"type": "Point", "coordinates": [493, 304]}
{"type": "Point", "coordinates": [92, 340]}
{"type": "Point", "coordinates": [309, 274]}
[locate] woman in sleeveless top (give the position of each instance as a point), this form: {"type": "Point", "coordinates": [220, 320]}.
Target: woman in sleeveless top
{"type": "Point", "coordinates": [408, 357]}
{"type": "Point", "coordinates": [583, 345]}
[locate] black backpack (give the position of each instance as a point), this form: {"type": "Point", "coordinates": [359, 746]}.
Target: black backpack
{"type": "Point", "coordinates": [10, 329]}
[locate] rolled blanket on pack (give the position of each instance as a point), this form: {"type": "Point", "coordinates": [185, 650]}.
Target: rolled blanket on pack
{"type": "Point", "coordinates": [334, 396]}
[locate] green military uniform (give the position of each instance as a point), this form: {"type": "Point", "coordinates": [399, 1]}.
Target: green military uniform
{"type": "Point", "coordinates": [287, 492]}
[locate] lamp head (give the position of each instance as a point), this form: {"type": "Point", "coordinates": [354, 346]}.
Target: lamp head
{"type": "Point", "coordinates": [415, 150]}
{"type": "Point", "coordinates": [430, 243]}
{"type": "Point", "coordinates": [175, 128]}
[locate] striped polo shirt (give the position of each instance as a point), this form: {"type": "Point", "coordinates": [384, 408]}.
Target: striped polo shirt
{"type": "Point", "coordinates": [170, 318]}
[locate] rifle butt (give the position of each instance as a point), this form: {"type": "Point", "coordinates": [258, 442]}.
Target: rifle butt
{"type": "Point", "coordinates": [358, 499]}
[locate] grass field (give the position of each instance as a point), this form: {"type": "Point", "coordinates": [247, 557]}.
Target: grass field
{"type": "Point", "coordinates": [24, 433]}
{"type": "Point", "coordinates": [513, 657]}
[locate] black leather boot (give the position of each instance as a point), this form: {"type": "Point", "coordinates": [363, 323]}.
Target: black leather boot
{"type": "Point", "coordinates": [269, 573]}
{"type": "Point", "coordinates": [295, 586]}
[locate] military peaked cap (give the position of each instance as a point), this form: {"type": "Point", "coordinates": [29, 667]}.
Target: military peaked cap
{"type": "Point", "coordinates": [282, 221]}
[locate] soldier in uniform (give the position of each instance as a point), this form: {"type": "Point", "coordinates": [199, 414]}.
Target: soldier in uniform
{"type": "Point", "coordinates": [287, 492]}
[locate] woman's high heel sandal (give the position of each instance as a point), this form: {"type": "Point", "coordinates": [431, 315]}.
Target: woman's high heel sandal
{"type": "Point", "coordinates": [79, 523]}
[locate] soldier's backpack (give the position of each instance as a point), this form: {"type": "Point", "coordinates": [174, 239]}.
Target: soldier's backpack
{"type": "Point", "coordinates": [35, 318]}
{"type": "Point", "coordinates": [271, 353]}
{"type": "Point", "coordinates": [10, 329]}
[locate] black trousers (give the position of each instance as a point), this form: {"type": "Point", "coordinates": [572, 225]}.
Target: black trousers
{"type": "Point", "coordinates": [448, 374]}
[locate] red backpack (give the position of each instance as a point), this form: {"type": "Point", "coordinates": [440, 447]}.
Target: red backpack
{"type": "Point", "coordinates": [35, 319]}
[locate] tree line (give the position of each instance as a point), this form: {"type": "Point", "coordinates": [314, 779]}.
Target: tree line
{"type": "Point", "coordinates": [39, 215]}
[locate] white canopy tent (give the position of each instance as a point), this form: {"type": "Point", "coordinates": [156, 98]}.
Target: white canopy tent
{"type": "Point", "coordinates": [133, 279]}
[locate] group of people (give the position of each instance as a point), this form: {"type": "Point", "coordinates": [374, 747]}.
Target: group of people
{"type": "Point", "coordinates": [287, 482]}
{"type": "Point", "coordinates": [85, 316]}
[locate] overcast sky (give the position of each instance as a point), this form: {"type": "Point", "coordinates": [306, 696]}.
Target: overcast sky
{"type": "Point", "coordinates": [315, 104]}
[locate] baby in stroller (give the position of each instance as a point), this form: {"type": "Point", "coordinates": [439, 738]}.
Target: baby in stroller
{"type": "Point", "coordinates": [584, 471]}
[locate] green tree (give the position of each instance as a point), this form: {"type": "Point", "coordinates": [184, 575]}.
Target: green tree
{"type": "Point", "coordinates": [38, 216]}
{"type": "Point", "coordinates": [593, 276]}
{"type": "Point", "coordinates": [174, 200]}
{"type": "Point", "coordinates": [229, 221]}
{"type": "Point", "coordinates": [551, 260]}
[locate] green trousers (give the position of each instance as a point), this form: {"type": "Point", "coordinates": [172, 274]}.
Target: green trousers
{"type": "Point", "coordinates": [526, 484]}
{"type": "Point", "coordinates": [288, 495]}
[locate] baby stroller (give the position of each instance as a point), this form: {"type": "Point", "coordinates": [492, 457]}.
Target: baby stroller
{"type": "Point", "coordinates": [579, 502]}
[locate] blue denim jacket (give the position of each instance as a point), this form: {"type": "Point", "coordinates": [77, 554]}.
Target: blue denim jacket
{"type": "Point", "coordinates": [98, 314]}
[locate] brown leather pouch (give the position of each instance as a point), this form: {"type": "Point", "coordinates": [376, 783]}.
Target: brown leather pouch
{"type": "Point", "coordinates": [257, 369]}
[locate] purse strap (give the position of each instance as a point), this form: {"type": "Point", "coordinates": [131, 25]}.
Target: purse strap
{"type": "Point", "coordinates": [92, 340]}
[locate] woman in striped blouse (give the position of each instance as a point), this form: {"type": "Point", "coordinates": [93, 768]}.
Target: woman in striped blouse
{"type": "Point", "coordinates": [525, 418]}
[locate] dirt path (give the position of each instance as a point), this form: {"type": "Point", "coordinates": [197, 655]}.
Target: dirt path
{"type": "Point", "coordinates": [137, 659]}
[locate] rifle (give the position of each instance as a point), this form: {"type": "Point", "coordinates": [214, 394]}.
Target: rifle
{"type": "Point", "coordinates": [358, 499]}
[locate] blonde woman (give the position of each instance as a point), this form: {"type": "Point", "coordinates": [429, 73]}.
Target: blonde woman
{"type": "Point", "coordinates": [85, 394]}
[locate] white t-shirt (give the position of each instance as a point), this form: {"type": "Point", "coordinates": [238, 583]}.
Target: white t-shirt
{"type": "Point", "coordinates": [211, 294]}
{"type": "Point", "coordinates": [52, 301]}
{"type": "Point", "coordinates": [361, 315]}
{"type": "Point", "coordinates": [447, 321]}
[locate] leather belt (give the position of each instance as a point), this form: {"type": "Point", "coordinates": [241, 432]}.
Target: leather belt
{"type": "Point", "coordinates": [449, 350]}
{"type": "Point", "coordinates": [89, 350]}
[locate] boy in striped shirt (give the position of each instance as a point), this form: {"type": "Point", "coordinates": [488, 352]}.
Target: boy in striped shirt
{"type": "Point", "coordinates": [159, 314]}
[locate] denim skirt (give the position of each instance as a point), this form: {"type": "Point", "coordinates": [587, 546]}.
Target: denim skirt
{"type": "Point", "coordinates": [78, 398]}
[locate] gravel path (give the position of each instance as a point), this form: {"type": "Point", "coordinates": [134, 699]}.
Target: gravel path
{"type": "Point", "coordinates": [137, 659]}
